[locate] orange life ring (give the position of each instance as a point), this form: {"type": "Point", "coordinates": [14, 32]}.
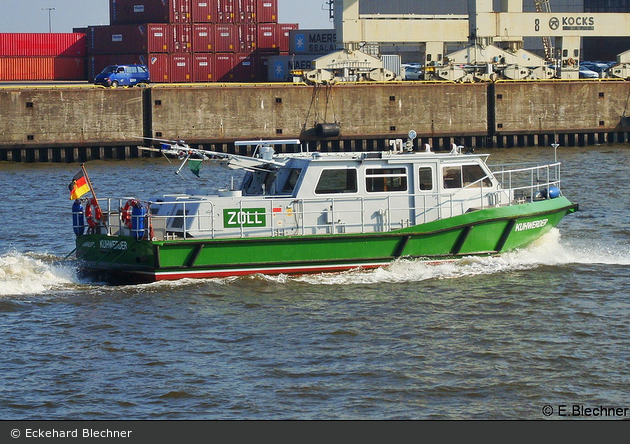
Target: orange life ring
{"type": "Point", "coordinates": [125, 212]}
{"type": "Point", "coordinates": [93, 217]}
{"type": "Point", "coordinates": [571, 61]}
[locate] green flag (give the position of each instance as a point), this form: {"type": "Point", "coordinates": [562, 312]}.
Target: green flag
{"type": "Point", "coordinates": [195, 166]}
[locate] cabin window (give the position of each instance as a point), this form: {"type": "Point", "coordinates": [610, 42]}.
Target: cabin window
{"type": "Point", "coordinates": [425, 178]}
{"type": "Point", "coordinates": [385, 179]}
{"type": "Point", "coordinates": [291, 182]}
{"type": "Point", "coordinates": [465, 176]}
{"type": "Point", "coordinates": [337, 181]}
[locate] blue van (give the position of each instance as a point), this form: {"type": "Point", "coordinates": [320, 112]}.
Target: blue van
{"type": "Point", "coordinates": [123, 75]}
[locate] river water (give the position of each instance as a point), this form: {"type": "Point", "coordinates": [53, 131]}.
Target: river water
{"type": "Point", "coordinates": [513, 337]}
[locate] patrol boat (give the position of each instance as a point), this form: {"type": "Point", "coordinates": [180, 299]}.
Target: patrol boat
{"type": "Point", "coordinates": [298, 212]}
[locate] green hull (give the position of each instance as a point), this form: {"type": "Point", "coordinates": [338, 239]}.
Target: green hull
{"type": "Point", "coordinates": [482, 232]}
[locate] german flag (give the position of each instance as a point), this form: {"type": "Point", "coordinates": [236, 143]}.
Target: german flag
{"type": "Point", "coordinates": [79, 186]}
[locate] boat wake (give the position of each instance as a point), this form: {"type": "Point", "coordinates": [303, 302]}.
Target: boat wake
{"type": "Point", "coordinates": [546, 251]}
{"type": "Point", "coordinates": [29, 273]}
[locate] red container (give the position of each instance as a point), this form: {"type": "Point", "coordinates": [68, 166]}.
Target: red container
{"type": "Point", "coordinates": [247, 36]}
{"type": "Point", "coordinates": [244, 69]}
{"type": "Point", "coordinates": [42, 68]}
{"type": "Point", "coordinates": [181, 68]}
{"type": "Point", "coordinates": [202, 37]}
{"type": "Point", "coordinates": [245, 11]}
{"type": "Point", "coordinates": [124, 12]}
{"type": "Point", "coordinates": [182, 38]}
{"type": "Point", "coordinates": [223, 67]}
{"type": "Point", "coordinates": [226, 11]}
{"type": "Point", "coordinates": [203, 67]}
{"type": "Point", "coordinates": [267, 11]}
{"type": "Point", "coordinates": [35, 44]}
{"type": "Point", "coordinates": [159, 66]}
{"type": "Point", "coordinates": [267, 39]}
{"type": "Point", "coordinates": [225, 37]}
{"type": "Point", "coordinates": [204, 11]}
{"type": "Point", "coordinates": [283, 33]}
{"type": "Point", "coordinates": [129, 39]}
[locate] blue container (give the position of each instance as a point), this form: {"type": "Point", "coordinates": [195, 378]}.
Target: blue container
{"type": "Point", "coordinates": [138, 213]}
{"type": "Point", "coordinates": [78, 218]}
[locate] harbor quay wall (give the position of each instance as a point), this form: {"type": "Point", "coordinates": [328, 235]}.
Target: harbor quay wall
{"type": "Point", "coordinates": [80, 123]}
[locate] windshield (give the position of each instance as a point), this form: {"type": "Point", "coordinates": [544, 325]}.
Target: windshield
{"type": "Point", "coordinates": [109, 70]}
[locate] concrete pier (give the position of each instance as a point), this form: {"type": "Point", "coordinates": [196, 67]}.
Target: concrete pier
{"type": "Point", "coordinates": [76, 124]}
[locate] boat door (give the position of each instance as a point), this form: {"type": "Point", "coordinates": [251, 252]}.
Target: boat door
{"type": "Point", "coordinates": [425, 194]}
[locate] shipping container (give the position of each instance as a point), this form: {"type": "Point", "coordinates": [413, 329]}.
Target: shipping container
{"type": "Point", "coordinates": [182, 37]}
{"type": "Point", "coordinates": [312, 41]}
{"type": "Point", "coordinates": [130, 39]}
{"type": "Point", "coordinates": [226, 11]}
{"type": "Point", "coordinates": [203, 67]}
{"type": "Point", "coordinates": [37, 44]}
{"type": "Point", "coordinates": [203, 37]}
{"type": "Point", "coordinates": [266, 11]}
{"type": "Point", "coordinates": [283, 35]}
{"type": "Point", "coordinates": [267, 37]}
{"type": "Point", "coordinates": [204, 11]}
{"type": "Point", "coordinates": [245, 11]}
{"type": "Point", "coordinates": [124, 12]}
{"type": "Point", "coordinates": [244, 69]}
{"type": "Point", "coordinates": [42, 68]}
{"type": "Point", "coordinates": [181, 68]}
{"type": "Point", "coordinates": [225, 37]}
{"type": "Point", "coordinates": [247, 37]}
{"type": "Point", "coordinates": [279, 67]}
{"type": "Point", "coordinates": [159, 66]}
{"type": "Point", "coordinates": [224, 66]}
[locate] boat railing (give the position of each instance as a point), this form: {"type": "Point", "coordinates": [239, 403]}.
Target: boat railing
{"type": "Point", "coordinates": [286, 216]}
{"type": "Point", "coordinates": [527, 183]}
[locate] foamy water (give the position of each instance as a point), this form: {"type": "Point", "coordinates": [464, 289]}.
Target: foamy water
{"type": "Point", "coordinates": [28, 274]}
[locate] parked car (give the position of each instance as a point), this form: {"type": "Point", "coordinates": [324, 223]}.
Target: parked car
{"type": "Point", "coordinates": [412, 72]}
{"type": "Point", "coordinates": [123, 75]}
{"type": "Point", "coordinates": [586, 73]}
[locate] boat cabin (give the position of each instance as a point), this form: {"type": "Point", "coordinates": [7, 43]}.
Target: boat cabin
{"type": "Point", "coordinates": [311, 193]}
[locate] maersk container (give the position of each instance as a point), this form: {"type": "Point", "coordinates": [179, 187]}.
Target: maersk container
{"type": "Point", "coordinates": [267, 37]}
{"type": "Point", "coordinates": [266, 11]}
{"type": "Point", "coordinates": [279, 67]}
{"type": "Point", "coordinates": [283, 35]}
{"type": "Point", "coordinates": [225, 37]}
{"type": "Point", "coordinates": [37, 44]}
{"type": "Point", "coordinates": [130, 39]}
{"type": "Point", "coordinates": [226, 11]}
{"type": "Point", "coordinates": [312, 41]}
{"type": "Point", "coordinates": [204, 11]}
{"type": "Point", "coordinates": [203, 67]}
{"type": "Point", "coordinates": [202, 37]}
{"type": "Point", "coordinates": [42, 68]}
{"type": "Point", "coordinates": [124, 12]}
